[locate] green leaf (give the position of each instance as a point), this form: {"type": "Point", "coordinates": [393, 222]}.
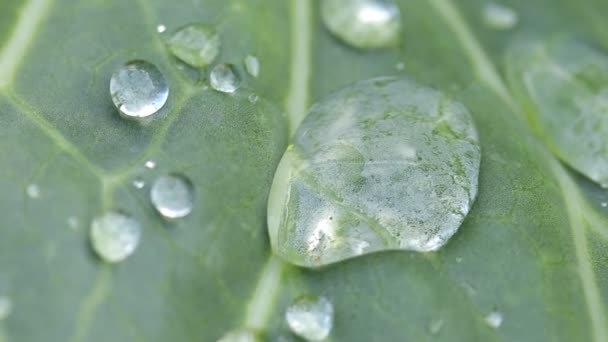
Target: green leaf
{"type": "Point", "coordinates": [533, 247]}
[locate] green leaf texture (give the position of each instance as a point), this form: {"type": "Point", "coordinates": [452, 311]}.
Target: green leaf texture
{"type": "Point", "coordinates": [534, 247]}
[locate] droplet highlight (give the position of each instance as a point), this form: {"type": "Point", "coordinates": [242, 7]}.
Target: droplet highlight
{"type": "Point", "coordinates": [435, 326]}
{"type": "Point", "coordinates": [310, 317]}
{"type": "Point", "coordinates": [138, 90]}
{"type": "Point", "coordinates": [150, 164]}
{"type": "Point", "coordinates": [499, 17]}
{"type": "Point", "coordinates": [139, 183]}
{"type": "Point", "coordinates": [6, 307]}
{"type": "Point", "coordinates": [33, 191]}
{"type": "Point", "coordinates": [494, 319]}
{"type": "Point", "coordinates": [161, 28]}
{"type": "Point", "coordinates": [363, 24]}
{"type": "Point", "coordinates": [253, 98]}
{"type": "Point", "coordinates": [224, 78]}
{"type": "Point", "coordinates": [196, 45]}
{"type": "Point", "coordinates": [114, 236]}
{"type": "Point", "coordinates": [172, 196]}
{"type": "Point", "coordinates": [252, 65]}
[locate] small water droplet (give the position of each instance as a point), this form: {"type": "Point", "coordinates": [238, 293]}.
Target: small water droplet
{"type": "Point", "coordinates": [73, 222]}
{"type": "Point", "coordinates": [435, 326]}
{"type": "Point", "coordinates": [252, 65]}
{"type": "Point", "coordinates": [224, 78]}
{"type": "Point", "coordinates": [604, 204]}
{"type": "Point", "coordinates": [33, 191]}
{"type": "Point", "coordinates": [310, 317]}
{"type": "Point", "coordinates": [161, 28]}
{"type": "Point", "coordinates": [363, 23]}
{"type": "Point", "coordinates": [499, 17]}
{"type": "Point", "coordinates": [150, 164]}
{"type": "Point", "coordinates": [400, 66]}
{"type": "Point", "coordinates": [6, 307]}
{"type": "Point", "coordinates": [459, 260]}
{"type": "Point", "coordinates": [239, 335]}
{"type": "Point", "coordinates": [138, 89]}
{"type": "Point", "coordinates": [114, 236]}
{"type": "Point", "coordinates": [253, 98]}
{"type": "Point", "coordinates": [196, 45]}
{"type": "Point", "coordinates": [139, 183]}
{"type": "Point", "coordinates": [172, 196]}
{"type": "Point", "coordinates": [494, 319]}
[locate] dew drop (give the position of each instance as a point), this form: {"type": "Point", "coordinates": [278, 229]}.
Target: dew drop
{"type": "Point", "coordinates": [400, 66]}
{"type": "Point", "coordinates": [138, 89]}
{"type": "Point", "coordinates": [252, 65]}
{"type": "Point", "coordinates": [604, 204]}
{"type": "Point", "coordinates": [435, 326]}
{"type": "Point", "coordinates": [73, 222]}
{"type": "Point", "coordinates": [161, 28]}
{"type": "Point", "coordinates": [499, 17]}
{"type": "Point", "coordinates": [363, 23]}
{"type": "Point", "coordinates": [6, 307]}
{"type": "Point", "coordinates": [239, 335]}
{"type": "Point", "coordinates": [150, 164]}
{"type": "Point", "coordinates": [33, 191]}
{"type": "Point", "coordinates": [172, 196]}
{"type": "Point", "coordinates": [196, 45]}
{"type": "Point", "coordinates": [310, 317]}
{"type": "Point", "coordinates": [494, 319]}
{"type": "Point", "coordinates": [114, 236]}
{"type": "Point", "coordinates": [224, 78]}
{"type": "Point", "coordinates": [253, 98]}
{"type": "Point", "coordinates": [139, 183]}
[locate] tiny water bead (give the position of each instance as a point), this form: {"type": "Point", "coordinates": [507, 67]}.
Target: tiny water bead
{"type": "Point", "coordinates": [239, 335]}
{"type": "Point", "coordinates": [604, 204]}
{"type": "Point", "coordinates": [253, 98]}
{"type": "Point", "coordinates": [252, 65]}
{"type": "Point", "coordinates": [224, 78]}
{"type": "Point", "coordinates": [161, 28]}
{"type": "Point", "coordinates": [6, 307]}
{"type": "Point", "coordinates": [138, 89]}
{"type": "Point", "coordinates": [310, 317]}
{"type": "Point", "coordinates": [494, 319]}
{"type": "Point", "coordinates": [435, 326]}
{"type": "Point", "coordinates": [196, 45]}
{"type": "Point", "coordinates": [33, 191]}
{"type": "Point", "coordinates": [150, 164]}
{"type": "Point", "coordinates": [139, 183]}
{"type": "Point", "coordinates": [114, 236]}
{"type": "Point", "coordinates": [499, 17]}
{"type": "Point", "coordinates": [73, 222]}
{"type": "Point", "coordinates": [363, 23]}
{"type": "Point", "coordinates": [172, 196]}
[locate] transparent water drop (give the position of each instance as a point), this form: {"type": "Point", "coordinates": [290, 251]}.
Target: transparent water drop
{"type": "Point", "coordinates": [363, 23]}
{"type": "Point", "coordinates": [400, 66]}
{"type": "Point", "coordinates": [138, 89]}
{"type": "Point", "coordinates": [224, 78]}
{"type": "Point", "coordinates": [252, 65]}
{"type": "Point", "coordinates": [253, 98]}
{"type": "Point", "coordinates": [114, 236]}
{"type": "Point", "coordinates": [604, 204]}
{"type": "Point", "coordinates": [310, 317]}
{"type": "Point", "coordinates": [150, 164]}
{"type": "Point", "coordinates": [6, 307]}
{"type": "Point", "coordinates": [499, 17]}
{"type": "Point", "coordinates": [459, 260]}
{"type": "Point", "coordinates": [33, 191]}
{"type": "Point", "coordinates": [196, 45]}
{"type": "Point", "coordinates": [73, 222]}
{"type": "Point", "coordinates": [239, 335]}
{"type": "Point", "coordinates": [494, 319]}
{"type": "Point", "coordinates": [139, 183]}
{"type": "Point", "coordinates": [435, 326]}
{"type": "Point", "coordinates": [161, 28]}
{"type": "Point", "coordinates": [172, 196]}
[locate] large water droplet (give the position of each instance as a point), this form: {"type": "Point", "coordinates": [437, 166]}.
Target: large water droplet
{"type": "Point", "coordinates": [239, 335]}
{"type": "Point", "coordinates": [114, 236]}
{"type": "Point", "coordinates": [252, 65]}
{"type": "Point", "coordinates": [384, 164]}
{"type": "Point", "coordinates": [499, 17]}
{"type": "Point", "coordinates": [310, 317]}
{"type": "Point", "coordinates": [6, 307]}
{"type": "Point", "coordinates": [138, 89]}
{"type": "Point", "coordinates": [196, 45]}
{"type": "Point", "coordinates": [224, 78]}
{"type": "Point", "coordinates": [494, 319]}
{"type": "Point", "coordinates": [33, 191]}
{"type": "Point", "coordinates": [363, 23]}
{"type": "Point", "coordinates": [172, 196]}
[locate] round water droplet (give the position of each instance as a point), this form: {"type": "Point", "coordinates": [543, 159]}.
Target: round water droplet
{"type": "Point", "coordinates": [161, 28]}
{"type": "Point", "coordinates": [494, 319]}
{"type": "Point", "coordinates": [139, 183]}
{"type": "Point", "coordinates": [172, 196]}
{"type": "Point", "coordinates": [138, 89]}
{"type": "Point", "coordinates": [6, 307]}
{"type": "Point", "coordinates": [383, 164]}
{"type": "Point", "coordinates": [114, 236]}
{"type": "Point", "coordinates": [73, 222]}
{"type": "Point", "coordinates": [400, 66]}
{"type": "Point", "coordinates": [253, 98]}
{"type": "Point", "coordinates": [435, 326]}
{"type": "Point", "coordinates": [240, 335]}
{"type": "Point", "coordinates": [363, 23]}
{"type": "Point", "coordinates": [150, 164]}
{"type": "Point", "coordinates": [604, 204]}
{"type": "Point", "coordinates": [252, 65]}
{"type": "Point", "coordinates": [33, 191]}
{"type": "Point", "coordinates": [196, 45]}
{"type": "Point", "coordinates": [499, 17]}
{"type": "Point", "coordinates": [224, 78]}
{"type": "Point", "coordinates": [310, 317]}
